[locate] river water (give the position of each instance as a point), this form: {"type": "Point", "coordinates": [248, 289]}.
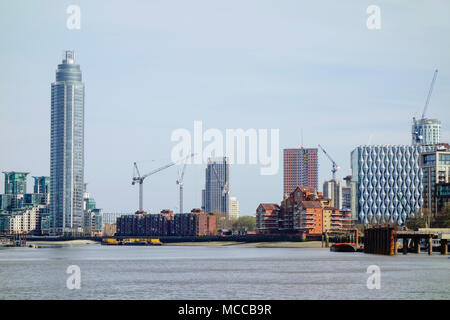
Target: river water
{"type": "Point", "coordinates": [226, 272]}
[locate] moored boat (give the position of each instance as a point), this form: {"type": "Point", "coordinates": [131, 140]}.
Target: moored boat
{"type": "Point", "coordinates": [343, 247]}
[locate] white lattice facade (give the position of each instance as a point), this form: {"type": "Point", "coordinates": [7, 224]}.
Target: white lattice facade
{"type": "Point", "coordinates": [388, 181]}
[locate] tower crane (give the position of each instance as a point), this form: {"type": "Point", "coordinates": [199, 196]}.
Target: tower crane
{"type": "Point", "coordinates": [180, 182]}
{"type": "Point", "coordinates": [140, 179]}
{"type": "Point", "coordinates": [418, 136]}
{"type": "Point", "coordinates": [334, 164]}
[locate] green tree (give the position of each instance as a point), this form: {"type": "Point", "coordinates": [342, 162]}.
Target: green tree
{"type": "Point", "coordinates": [245, 223]}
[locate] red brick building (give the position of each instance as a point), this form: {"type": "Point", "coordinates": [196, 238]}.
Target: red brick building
{"type": "Point", "coordinates": [267, 218]}
{"type": "Point", "coordinates": [303, 211]}
{"type": "Point", "coordinates": [166, 223]}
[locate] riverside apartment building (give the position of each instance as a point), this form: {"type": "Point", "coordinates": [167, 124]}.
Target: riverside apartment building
{"type": "Point", "coordinates": [303, 211]}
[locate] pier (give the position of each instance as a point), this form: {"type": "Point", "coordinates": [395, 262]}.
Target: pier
{"type": "Point", "coordinates": [384, 240]}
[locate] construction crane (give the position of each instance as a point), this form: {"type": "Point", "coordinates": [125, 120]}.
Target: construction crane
{"type": "Point", "coordinates": [140, 179]}
{"type": "Point", "coordinates": [334, 164]}
{"type": "Point", "coordinates": [180, 182]}
{"type": "Point", "coordinates": [418, 136]}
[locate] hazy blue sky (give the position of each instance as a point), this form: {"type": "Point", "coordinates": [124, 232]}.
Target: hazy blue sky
{"type": "Point", "coordinates": [154, 66]}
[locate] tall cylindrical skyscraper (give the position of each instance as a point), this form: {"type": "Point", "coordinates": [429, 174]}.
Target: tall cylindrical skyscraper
{"type": "Point", "coordinates": [67, 148]}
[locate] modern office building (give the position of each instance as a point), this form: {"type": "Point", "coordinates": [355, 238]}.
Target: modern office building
{"type": "Point", "coordinates": [67, 148]}
{"type": "Point", "coordinates": [426, 132]}
{"type": "Point", "coordinates": [92, 216]}
{"type": "Point", "coordinates": [333, 190]}
{"type": "Point", "coordinates": [15, 190]}
{"type": "Point", "coordinates": [388, 182]}
{"type": "Point", "coordinates": [41, 185]}
{"type": "Point", "coordinates": [217, 186]}
{"type": "Point", "coordinates": [300, 168]}
{"type": "Point", "coordinates": [436, 175]}
{"type": "Point", "coordinates": [15, 182]}
{"type": "Point", "coordinates": [234, 208]}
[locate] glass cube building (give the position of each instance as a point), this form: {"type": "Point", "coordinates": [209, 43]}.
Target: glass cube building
{"type": "Point", "coordinates": [388, 182]}
{"type": "Point", "coordinates": [67, 148]}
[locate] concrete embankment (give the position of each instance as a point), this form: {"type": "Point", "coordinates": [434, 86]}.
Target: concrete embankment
{"type": "Point", "coordinates": [66, 242]}
{"type": "Point", "coordinates": [278, 244]}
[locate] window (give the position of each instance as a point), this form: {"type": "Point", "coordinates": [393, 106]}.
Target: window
{"type": "Point", "coordinates": [429, 159]}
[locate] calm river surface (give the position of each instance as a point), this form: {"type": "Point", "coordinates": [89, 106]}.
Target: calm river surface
{"type": "Point", "coordinates": [229, 272]}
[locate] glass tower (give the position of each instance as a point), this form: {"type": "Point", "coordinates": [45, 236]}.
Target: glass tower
{"type": "Point", "coordinates": [67, 148]}
{"type": "Point", "coordinates": [217, 185]}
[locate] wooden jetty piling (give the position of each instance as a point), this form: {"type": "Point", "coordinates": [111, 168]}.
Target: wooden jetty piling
{"type": "Point", "coordinates": [383, 240]}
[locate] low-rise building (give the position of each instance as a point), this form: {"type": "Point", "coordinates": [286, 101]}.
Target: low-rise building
{"type": "Point", "coordinates": [166, 223]}
{"type": "Point", "coordinates": [303, 211]}
{"type": "Point", "coordinates": [25, 222]}
{"type": "Point", "coordinates": [109, 229]}
{"type": "Point", "coordinates": [267, 218]}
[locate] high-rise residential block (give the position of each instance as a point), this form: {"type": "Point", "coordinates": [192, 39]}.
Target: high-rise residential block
{"type": "Point", "coordinates": [41, 185]}
{"type": "Point", "coordinates": [426, 132]}
{"type": "Point", "coordinates": [15, 182]}
{"type": "Point", "coordinates": [15, 190]}
{"type": "Point", "coordinates": [217, 184]}
{"type": "Point", "coordinates": [347, 194]}
{"type": "Point", "coordinates": [234, 208]}
{"type": "Point", "coordinates": [300, 168]}
{"type": "Point", "coordinates": [67, 148]}
{"type": "Point", "coordinates": [333, 190]}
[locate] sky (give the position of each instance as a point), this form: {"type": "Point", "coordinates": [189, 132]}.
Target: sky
{"type": "Point", "coordinates": [152, 67]}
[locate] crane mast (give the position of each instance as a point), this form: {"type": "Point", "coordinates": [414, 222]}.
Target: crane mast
{"type": "Point", "coordinates": [418, 136]}
{"type": "Point", "coordinates": [180, 182]}
{"type": "Point", "coordinates": [334, 167]}
{"type": "Point", "coordinates": [140, 179]}
{"type": "Point", "coordinates": [429, 93]}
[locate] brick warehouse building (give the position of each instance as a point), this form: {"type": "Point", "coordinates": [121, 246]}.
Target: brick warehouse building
{"type": "Point", "coordinates": [303, 211]}
{"type": "Point", "coordinates": [167, 223]}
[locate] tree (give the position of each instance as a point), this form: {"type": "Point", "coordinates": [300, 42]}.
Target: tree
{"type": "Point", "coordinates": [442, 219]}
{"type": "Point", "coordinates": [222, 222]}
{"type": "Point", "coordinates": [245, 223]}
{"type": "Point", "coordinates": [423, 220]}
